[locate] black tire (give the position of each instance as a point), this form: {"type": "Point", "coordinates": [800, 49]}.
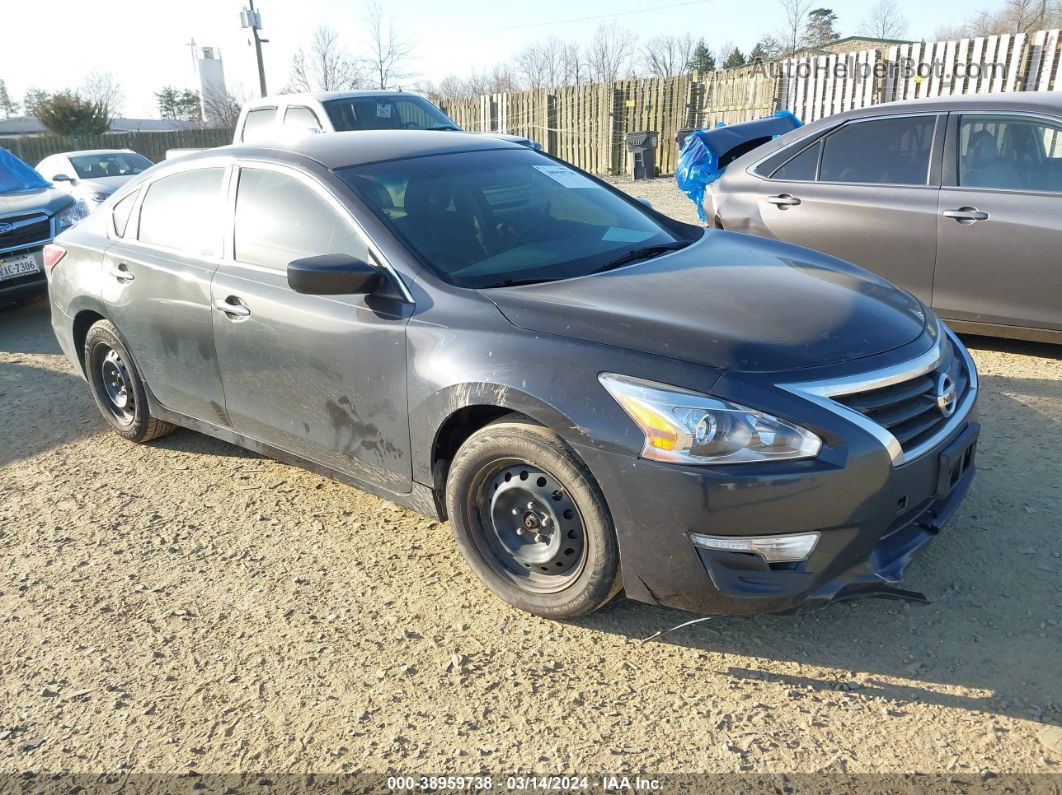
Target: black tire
{"type": "Point", "coordinates": [117, 386]}
{"type": "Point", "coordinates": [520, 474]}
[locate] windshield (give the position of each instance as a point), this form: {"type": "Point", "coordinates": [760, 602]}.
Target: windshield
{"type": "Point", "coordinates": [16, 175]}
{"type": "Point", "coordinates": [493, 218]}
{"type": "Point", "coordinates": [109, 164]}
{"type": "Point", "coordinates": [381, 112]}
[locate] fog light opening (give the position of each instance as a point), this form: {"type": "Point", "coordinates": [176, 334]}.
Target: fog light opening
{"type": "Point", "coordinates": [773, 549]}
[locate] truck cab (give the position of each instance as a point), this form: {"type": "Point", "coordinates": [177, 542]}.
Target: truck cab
{"type": "Point", "coordinates": [342, 111]}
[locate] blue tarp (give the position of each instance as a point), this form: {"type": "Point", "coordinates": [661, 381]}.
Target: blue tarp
{"type": "Point", "coordinates": [704, 155]}
{"type": "Point", "coordinates": [16, 175]}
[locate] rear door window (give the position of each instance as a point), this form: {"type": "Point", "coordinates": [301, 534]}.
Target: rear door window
{"type": "Point", "coordinates": [184, 212]}
{"type": "Point", "coordinates": [894, 151]}
{"type": "Point", "coordinates": [300, 118]}
{"type": "Point", "coordinates": [258, 123]}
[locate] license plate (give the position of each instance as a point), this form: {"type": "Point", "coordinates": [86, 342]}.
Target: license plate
{"type": "Point", "coordinates": [19, 265]}
{"type": "Point", "coordinates": [957, 460]}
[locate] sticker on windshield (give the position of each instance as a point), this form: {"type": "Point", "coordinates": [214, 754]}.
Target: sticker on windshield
{"type": "Point", "coordinates": [567, 177]}
{"type": "Point", "coordinates": [383, 111]}
{"type": "Point", "coordinates": [620, 234]}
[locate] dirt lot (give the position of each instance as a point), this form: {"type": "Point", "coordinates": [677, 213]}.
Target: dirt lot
{"type": "Point", "coordinates": [187, 605]}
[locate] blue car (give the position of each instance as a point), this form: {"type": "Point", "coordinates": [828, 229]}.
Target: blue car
{"type": "Point", "coordinates": [32, 212]}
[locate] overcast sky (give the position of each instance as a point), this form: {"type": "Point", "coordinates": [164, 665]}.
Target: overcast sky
{"type": "Point", "coordinates": [51, 45]}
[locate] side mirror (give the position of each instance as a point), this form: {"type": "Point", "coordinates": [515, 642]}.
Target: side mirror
{"type": "Point", "coordinates": [63, 178]}
{"type": "Point", "coordinates": [332, 274]}
{"type": "Point", "coordinates": [644, 202]}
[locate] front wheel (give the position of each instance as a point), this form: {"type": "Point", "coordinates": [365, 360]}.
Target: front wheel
{"type": "Point", "coordinates": [117, 386]}
{"type": "Point", "coordinates": [531, 521]}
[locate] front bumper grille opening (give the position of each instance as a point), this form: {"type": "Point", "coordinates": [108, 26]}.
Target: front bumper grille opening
{"type": "Point", "coordinates": [908, 410]}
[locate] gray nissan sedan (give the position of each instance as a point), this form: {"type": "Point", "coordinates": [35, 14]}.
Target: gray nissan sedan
{"type": "Point", "coordinates": [957, 199]}
{"type": "Point", "coordinates": [598, 397]}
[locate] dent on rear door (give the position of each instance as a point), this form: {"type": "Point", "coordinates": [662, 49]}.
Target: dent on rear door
{"type": "Point", "coordinates": [164, 316]}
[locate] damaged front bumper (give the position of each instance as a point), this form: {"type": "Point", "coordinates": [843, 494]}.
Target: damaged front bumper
{"type": "Point", "coordinates": [871, 519]}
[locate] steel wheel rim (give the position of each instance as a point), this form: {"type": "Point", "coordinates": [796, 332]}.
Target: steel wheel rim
{"type": "Point", "coordinates": [531, 530]}
{"type": "Point", "coordinates": [117, 386]}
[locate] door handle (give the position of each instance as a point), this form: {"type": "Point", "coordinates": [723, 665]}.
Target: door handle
{"type": "Point", "coordinates": [121, 273]}
{"type": "Point", "coordinates": [232, 310]}
{"type": "Point", "coordinates": [966, 215]}
{"type": "Point", "coordinates": [784, 200]}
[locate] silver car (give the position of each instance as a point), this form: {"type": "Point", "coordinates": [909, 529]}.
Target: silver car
{"type": "Point", "coordinates": [957, 199]}
{"type": "Point", "coordinates": [92, 175]}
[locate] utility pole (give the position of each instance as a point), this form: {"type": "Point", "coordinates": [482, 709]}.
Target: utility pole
{"type": "Point", "coordinates": [250, 18]}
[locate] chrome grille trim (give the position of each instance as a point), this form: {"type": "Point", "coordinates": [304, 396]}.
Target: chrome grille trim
{"type": "Point", "coordinates": [823, 393]}
{"type": "Point", "coordinates": [28, 219]}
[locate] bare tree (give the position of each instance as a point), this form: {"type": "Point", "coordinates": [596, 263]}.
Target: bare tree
{"type": "Point", "coordinates": [884, 21]}
{"type": "Point", "coordinates": [794, 16]}
{"type": "Point", "coordinates": [388, 51]}
{"type": "Point", "coordinates": [610, 52]}
{"type": "Point", "coordinates": [542, 64]}
{"type": "Point", "coordinates": [221, 108]}
{"type": "Point", "coordinates": [1016, 16]}
{"type": "Point", "coordinates": [103, 88]}
{"type": "Point", "coordinates": [663, 56]}
{"type": "Point", "coordinates": [576, 67]}
{"type": "Point", "coordinates": [451, 87]}
{"type": "Point", "coordinates": [502, 78]}
{"type": "Point", "coordinates": [326, 67]}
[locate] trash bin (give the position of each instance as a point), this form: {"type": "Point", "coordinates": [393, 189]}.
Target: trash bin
{"type": "Point", "coordinates": [681, 137]}
{"type": "Point", "coordinates": [642, 146]}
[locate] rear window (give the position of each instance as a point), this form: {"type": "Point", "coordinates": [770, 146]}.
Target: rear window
{"type": "Point", "coordinates": [257, 123]}
{"type": "Point", "coordinates": [382, 112]}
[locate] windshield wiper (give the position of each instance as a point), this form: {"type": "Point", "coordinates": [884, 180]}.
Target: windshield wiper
{"type": "Point", "coordinates": [645, 252]}
{"type": "Point", "coordinates": [446, 127]}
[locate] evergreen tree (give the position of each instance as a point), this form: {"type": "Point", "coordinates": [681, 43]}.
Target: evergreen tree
{"type": "Point", "coordinates": [735, 59]}
{"type": "Point", "coordinates": [702, 59]}
{"type": "Point", "coordinates": [819, 30]}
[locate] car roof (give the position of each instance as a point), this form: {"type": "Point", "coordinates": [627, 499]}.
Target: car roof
{"type": "Point", "coordinates": [80, 152]}
{"type": "Point", "coordinates": [324, 96]}
{"type": "Point", "coordinates": [336, 150]}
{"type": "Point", "coordinates": [1050, 101]}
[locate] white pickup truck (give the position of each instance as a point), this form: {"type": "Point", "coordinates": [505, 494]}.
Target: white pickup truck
{"type": "Point", "coordinates": [341, 111]}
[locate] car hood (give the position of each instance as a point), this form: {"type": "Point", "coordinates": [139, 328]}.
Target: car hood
{"type": "Point", "coordinates": [728, 301]}
{"type": "Point", "coordinates": [516, 139]}
{"type": "Point", "coordinates": [106, 185]}
{"type": "Point", "coordinates": [49, 200]}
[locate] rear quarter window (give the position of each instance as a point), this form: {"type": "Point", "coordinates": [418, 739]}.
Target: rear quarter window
{"type": "Point", "coordinates": [121, 212]}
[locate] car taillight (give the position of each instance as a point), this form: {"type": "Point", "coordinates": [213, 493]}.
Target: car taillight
{"type": "Point", "coordinates": [52, 254]}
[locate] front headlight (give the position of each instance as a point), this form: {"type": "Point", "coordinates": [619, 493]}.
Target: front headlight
{"type": "Point", "coordinates": [689, 428]}
{"type": "Point", "coordinates": [71, 215]}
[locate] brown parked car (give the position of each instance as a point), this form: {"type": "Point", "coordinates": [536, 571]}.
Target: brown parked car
{"type": "Point", "coordinates": [957, 199]}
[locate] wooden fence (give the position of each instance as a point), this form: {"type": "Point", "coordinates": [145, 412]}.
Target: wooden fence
{"type": "Point", "coordinates": [152, 145]}
{"type": "Point", "coordinates": [587, 124]}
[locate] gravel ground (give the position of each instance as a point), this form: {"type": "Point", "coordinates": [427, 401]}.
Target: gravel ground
{"type": "Point", "coordinates": [187, 605]}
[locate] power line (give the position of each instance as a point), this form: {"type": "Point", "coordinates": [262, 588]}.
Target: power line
{"type": "Point", "coordinates": [585, 19]}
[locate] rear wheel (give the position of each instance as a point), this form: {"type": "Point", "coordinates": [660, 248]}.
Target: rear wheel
{"type": "Point", "coordinates": [117, 386]}
{"type": "Point", "coordinates": [531, 521]}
